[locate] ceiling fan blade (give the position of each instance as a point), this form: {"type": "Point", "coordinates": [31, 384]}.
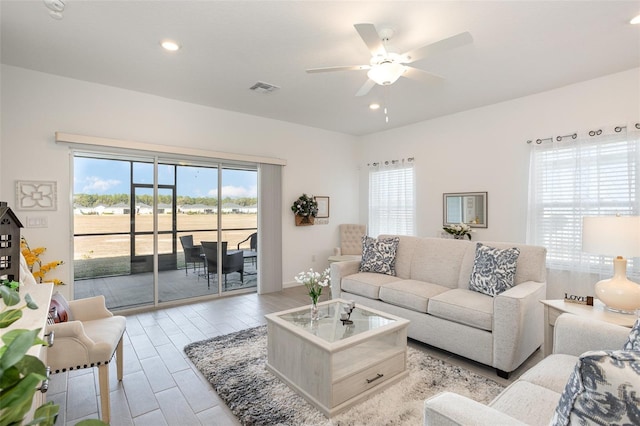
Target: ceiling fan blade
{"type": "Point", "coordinates": [439, 46]}
{"type": "Point", "coordinates": [421, 75]}
{"type": "Point", "coordinates": [344, 68]}
{"type": "Point", "coordinates": [371, 38]}
{"type": "Point", "coordinates": [366, 88]}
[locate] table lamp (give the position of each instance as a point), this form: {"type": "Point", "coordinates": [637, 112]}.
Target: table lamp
{"type": "Point", "coordinates": [614, 236]}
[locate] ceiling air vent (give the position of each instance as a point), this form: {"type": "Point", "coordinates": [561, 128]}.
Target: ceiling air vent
{"type": "Point", "coordinates": [261, 87]}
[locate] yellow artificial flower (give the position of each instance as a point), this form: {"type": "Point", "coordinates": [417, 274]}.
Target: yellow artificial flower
{"type": "Point", "coordinates": [32, 256]}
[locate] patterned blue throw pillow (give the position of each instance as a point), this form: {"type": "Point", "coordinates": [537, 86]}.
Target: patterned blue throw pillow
{"type": "Point", "coordinates": [633, 341]}
{"type": "Point", "coordinates": [494, 270]}
{"type": "Point", "coordinates": [379, 255]}
{"type": "Point", "coordinates": [604, 389]}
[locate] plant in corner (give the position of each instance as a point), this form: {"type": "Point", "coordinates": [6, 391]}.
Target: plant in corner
{"type": "Point", "coordinates": [20, 373]}
{"type": "Point", "coordinates": [306, 209]}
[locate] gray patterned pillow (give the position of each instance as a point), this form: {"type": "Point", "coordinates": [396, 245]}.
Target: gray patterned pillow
{"type": "Point", "coordinates": [633, 341]}
{"type": "Point", "coordinates": [494, 269]}
{"type": "Point", "coordinates": [604, 388]}
{"type": "Point", "coordinates": [379, 255]}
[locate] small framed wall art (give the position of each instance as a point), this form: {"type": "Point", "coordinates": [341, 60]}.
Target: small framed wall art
{"type": "Point", "coordinates": [36, 195]}
{"type": "Point", "coordinates": [323, 206]}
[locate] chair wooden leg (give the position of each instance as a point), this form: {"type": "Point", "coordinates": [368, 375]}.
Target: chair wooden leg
{"type": "Point", "coordinates": [119, 360]}
{"type": "Point", "coordinates": [103, 378]}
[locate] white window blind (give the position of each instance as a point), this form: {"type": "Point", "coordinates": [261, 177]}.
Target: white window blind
{"type": "Point", "coordinates": [590, 176]}
{"type": "Point", "coordinates": [392, 199]}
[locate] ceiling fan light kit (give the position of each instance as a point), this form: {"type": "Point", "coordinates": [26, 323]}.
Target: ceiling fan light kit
{"type": "Point", "coordinates": [387, 72]}
{"type": "Point", "coordinates": [386, 67]}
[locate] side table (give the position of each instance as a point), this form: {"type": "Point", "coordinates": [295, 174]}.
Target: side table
{"type": "Point", "coordinates": [553, 309]}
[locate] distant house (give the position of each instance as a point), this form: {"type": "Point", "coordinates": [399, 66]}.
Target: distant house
{"type": "Point", "coordinates": [197, 209]}
{"type": "Point", "coordinates": [142, 208]}
{"type": "Point", "coordinates": [164, 208]}
{"type": "Point", "coordinates": [231, 208]}
{"type": "Point", "coordinates": [249, 209]}
{"type": "Point", "coordinates": [120, 208]}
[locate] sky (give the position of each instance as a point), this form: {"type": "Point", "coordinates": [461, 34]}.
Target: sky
{"type": "Point", "coordinates": [99, 176]}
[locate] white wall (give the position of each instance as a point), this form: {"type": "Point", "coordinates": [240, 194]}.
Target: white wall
{"type": "Point", "coordinates": [485, 150]}
{"type": "Point", "coordinates": [36, 105]}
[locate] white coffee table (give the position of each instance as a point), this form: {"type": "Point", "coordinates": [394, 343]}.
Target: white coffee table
{"type": "Point", "coordinates": [332, 365]}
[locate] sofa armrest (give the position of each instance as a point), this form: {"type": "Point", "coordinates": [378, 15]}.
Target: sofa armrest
{"type": "Point", "coordinates": [340, 270]}
{"type": "Point", "coordinates": [91, 308]}
{"type": "Point", "coordinates": [575, 335]}
{"type": "Point", "coordinates": [449, 409]}
{"type": "Point", "coordinates": [518, 324]}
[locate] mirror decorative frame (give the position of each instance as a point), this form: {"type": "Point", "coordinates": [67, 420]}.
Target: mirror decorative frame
{"type": "Point", "coordinates": [465, 207]}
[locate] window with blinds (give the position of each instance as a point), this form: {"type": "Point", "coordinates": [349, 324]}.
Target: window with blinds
{"type": "Point", "coordinates": [570, 180]}
{"type": "Point", "coordinates": [392, 200]}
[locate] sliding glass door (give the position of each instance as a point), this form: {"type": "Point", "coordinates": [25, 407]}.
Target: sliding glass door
{"type": "Point", "coordinates": [140, 225]}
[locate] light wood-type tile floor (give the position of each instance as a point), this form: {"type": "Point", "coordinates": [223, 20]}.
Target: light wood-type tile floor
{"type": "Point", "coordinates": [162, 387]}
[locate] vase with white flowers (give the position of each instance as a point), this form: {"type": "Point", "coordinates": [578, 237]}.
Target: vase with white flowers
{"type": "Point", "coordinates": [459, 231]}
{"type": "Point", "coordinates": [314, 282]}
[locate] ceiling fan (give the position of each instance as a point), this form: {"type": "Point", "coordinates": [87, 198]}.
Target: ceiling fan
{"type": "Point", "coordinates": [386, 67]}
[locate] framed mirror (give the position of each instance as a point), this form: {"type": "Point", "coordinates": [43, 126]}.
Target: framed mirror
{"type": "Point", "coordinates": [465, 207]}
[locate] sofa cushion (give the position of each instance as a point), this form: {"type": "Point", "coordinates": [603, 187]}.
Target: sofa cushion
{"type": "Point", "coordinates": [493, 270]}
{"type": "Point", "coordinates": [552, 372]}
{"type": "Point", "coordinates": [603, 389]}
{"type": "Point", "coordinates": [527, 402]}
{"type": "Point", "coordinates": [379, 255]}
{"type": "Point", "coordinates": [464, 307]}
{"type": "Point", "coordinates": [438, 260]}
{"type": "Point", "coordinates": [633, 341]}
{"type": "Point", "coordinates": [410, 294]}
{"type": "Point", "coordinates": [366, 284]}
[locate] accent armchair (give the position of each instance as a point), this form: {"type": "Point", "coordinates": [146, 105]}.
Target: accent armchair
{"type": "Point", "coordinates": [350, 242]}
{"type": "Point", "coordinates": [90, 338]}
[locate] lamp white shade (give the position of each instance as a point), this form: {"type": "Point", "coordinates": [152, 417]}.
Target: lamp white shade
{"type": "Point", "coordinates": [611, 235]}
{"type": "Point", "coordinates": [615, 236]}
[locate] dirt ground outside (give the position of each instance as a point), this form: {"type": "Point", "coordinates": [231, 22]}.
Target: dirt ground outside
{"type": "Point", "coordinates": [110, 255]}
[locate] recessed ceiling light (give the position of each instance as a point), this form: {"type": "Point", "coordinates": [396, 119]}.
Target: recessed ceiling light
{"type": "Point", "coordinates": [374, 106]}
{"type": "Point", "coordinates": [635, 20]}
{"type": "Point", "coordinates": [170, 45]}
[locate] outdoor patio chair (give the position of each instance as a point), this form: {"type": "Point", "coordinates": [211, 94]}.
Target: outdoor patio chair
{"type": "Point", "coordinates": [192, 254]}
{"type": "Point", "coordinates": [253, 246]}
{"type": "Point", "coordinates": [231, 262]}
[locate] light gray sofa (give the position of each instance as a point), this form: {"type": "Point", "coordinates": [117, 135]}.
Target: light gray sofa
{"type": "Point", "coordinates": [533, 398]}
{"type": "Point", "coordinates": [430, 289]}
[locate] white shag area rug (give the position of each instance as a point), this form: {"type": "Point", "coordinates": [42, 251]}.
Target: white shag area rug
{"type": "Point", "coordinates": [234, 364]}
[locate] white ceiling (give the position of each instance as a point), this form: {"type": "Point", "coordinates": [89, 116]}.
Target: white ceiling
{"type": "Point", "coordinates": [519, 48]}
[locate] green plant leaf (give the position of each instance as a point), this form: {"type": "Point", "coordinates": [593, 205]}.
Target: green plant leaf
{"type": "Point", "coordinates": [9, 296]}
{"type": "Point", "coordinates": [9, 317]}
{"type": "Point", "coordinates": [30, 303]}
{"type": "Point", "coordinates": [18, 348]}
{"type": "Point", "coordinates": [9, 377]}
{"type": "Point", "coordinates": [31, 364]}
{"type": "Point", "coordinates": [16, 401]}
{"type": "Point", "coordinates": [45, 415]}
